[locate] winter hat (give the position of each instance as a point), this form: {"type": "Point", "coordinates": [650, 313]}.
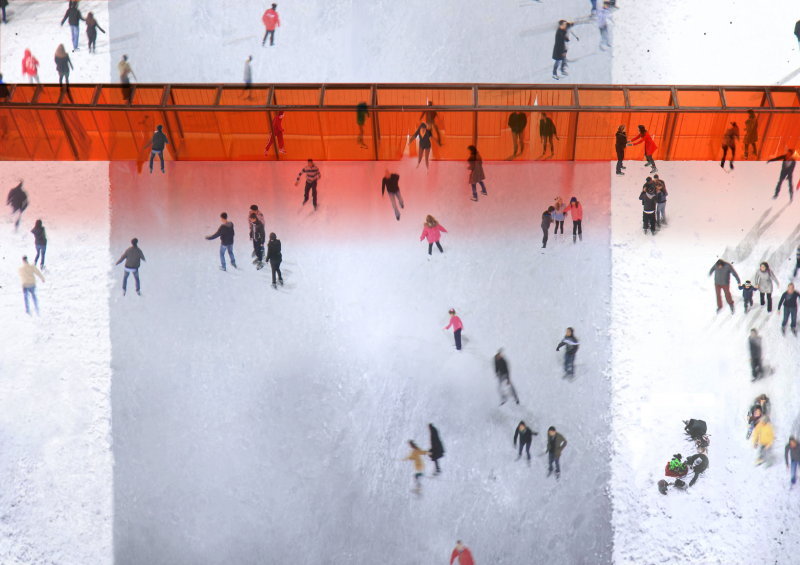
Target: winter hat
{"type": "Point", "coordinates": [747, 283]}
{"type": "Point", "coordinates": [452, 311]}
{"type": "Point", "coordinates": [573, 199]}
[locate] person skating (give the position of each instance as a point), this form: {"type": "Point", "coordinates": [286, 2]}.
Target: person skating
{"type": "Point", "coordinates": [797, 262]}
{"type": "Point", "coordinates": [133, 258]}
{"type": "Point", "coordinates": [792, 456]}
{"type": "Point", "coordinates": [649, 201]}
{"type": "Point", "coordinates": [788, 302]}
{"type": "Point", "coordinates": [40, 240]}
{"type": "Point", "coordinates": [787, 171]}
{"type": "Point", "coordinates": [436, 451]}
{"type": "Point", "coordinates": [362, 112]}
{"type": "Point", "coordinates": [525, 436]}
{"type": "Point", "coordinates": [747, 295]}
{"type": "Point", "coordinates": [257, 236]}
{"type": "Point", "coordinates": [517, 122]}
{"type": "Point", "coordinates": [547, 130]}
{"type": "Point", "coordinates": [503, 378]}
{"type": "Point", "coordinates": [575, 209]}
{"type": "Point", "coordinates": [429, 118]}
{"type": "Point", "coordinates": [27, 275]}
{"type": "Point", "coordinates": [797, 32]}
{"type": "Point", "coordinates": [722, 271]}
{"type": "Point", "coordinates": [729, 142]}
{"type": "Point", "coordinates": [476, 176]}
{"type": "Point", "coordinates": [3, 6]}
{"type": "Point", "coordinates": [91, 32]}
{"type": "Point", "coordinates": [661, 202]}
{"type": "Point", "coordinates": [225, 233]}
{"type": "Point", "coordinates": [750, 134]}
{"type": "Point", "coordinates": [463, 554]}
{"type": "Point", "coordinates": [547, 219]}
{"type": "Point", "coordinates": [570, 342]}
{"type": "Point", "coordinates": [432, 231]}
{"type": "Point", "coordinates": [125, 73]}
{"type": "Point", "coordinates": [277, 134]}
{"type": "Point", "coordinates": [157, 144]}
{"type": "Point", "coordinates": [73, 14]}
{"type": "Point", "coordinates": [759, 409]}
{"type": "Point", "coordinates": [391, 185]}
{"type": "Point", "coordinates": [248, 76]}
{"type": "Point", "coordinates": [63, 65]}
{"type": "Point", "coordinates": [457, 325]}
{"type": "Point", "coordinates": [756, 367]}
{"type": "Point", "coordinates": [620, 143]}
{"type": "Point", "coordinates": [30, 67]}
{"type": "Point", "coordinates": [763, 282]}
{"type": "Point", "coordinates": [560, 48]}
{"type": "Point", "coordinates": [697, 463]}
{"type": "Point", "coordinates": [763, 438]}
{"type": "Point", "coordinates": [18, 200]}
{"type": "Point", "coordinates": [271, 22]}
{"type": "Point", "coordinates": [602, 24]}
{"type": "Point", "coordinates": [649, 147]}
{"type": "Point", "coordinates": [558, 215]}
{"type": "Point", "coordinates": [311, 171]}
{"type": "Point", "coordinates": [555, 446]}
{"type": "Point", "coordinates": [275, 257]}
{"type": "Point", "coordinates": [416, 456]}
{"type": "Point", "coordinates": [424, 149]}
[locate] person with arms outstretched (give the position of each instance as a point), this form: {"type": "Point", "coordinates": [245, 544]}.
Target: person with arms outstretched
{"type": "Point", "coordinates": [28, 274]}
{"type": "Point", "coordinates": [432, 231]}
{"type": "Point", "coordinates": [649, 147]}
{"type": "Point", "coordinates": [133, 258]}
{"type": "Point", "coordinates": [722, 271]}
{"type": "Point", "coordinates": [225, 233]}
{"type": "Point", "coordinates": [73, 14]}
{"type": "Point", "coordinates": [18, 200]}
{"type": "Point", "coordinates": [157, 145]}
{"type": "Point", "coordinates": [462, 553]}
{"type": "Point", "coordinates": [311, 171]}
{"type": "Point", "coordinates": [788, 161]}
{"type": "Point", "coordinates": [570, 342]}
{"type": "Point", "coordinates": [525, 436]}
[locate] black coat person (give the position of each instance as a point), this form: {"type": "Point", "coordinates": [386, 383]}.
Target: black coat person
{"type": "Point", "coordinates": [547, 219]}
{"type": "Point", "coordinates": [698, 464]}
{"type": "Point", "coordinates": [517, 122]}
{"type": "Point", "coordinates": [437, 449]}
{"type": "Point", "coordinates": [525, 436]}
{"type": "Point", "coordinates": [18, 200]}
{"type": "Point", "coordinates": [620, 143]}
{"type": "Point", "coordinates": [560, 48]}
{"type": "Point", "coordinates": [274, 258]}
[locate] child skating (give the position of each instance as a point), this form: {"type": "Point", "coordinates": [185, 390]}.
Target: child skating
{"type": "Point", "coordinates": [417, 457]}
{"type": "Point", "coordinates": [455, 323]}
{"type": "Point", "coordinates": [432, 231]}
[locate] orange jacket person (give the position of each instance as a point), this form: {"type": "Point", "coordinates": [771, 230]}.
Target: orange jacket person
{"type": "Point", "coordinates": [649, 147]}
{"type": "Point", "coordinates": [271, 21]}
{"type": "Point", "coordinates": [463, 554]}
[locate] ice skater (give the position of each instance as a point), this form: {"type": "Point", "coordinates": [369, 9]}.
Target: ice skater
{"type": "Point", "coordinates": [40, 240]}
{"type": "Point", "coordinates": [271, 22]}
{"type": "Point", "coordinates": [225, 233]}
{"type": "Point", "coordinates": [560, 48]}
{"type": "Point", "coordinates": [91, 32]}
{"type": "Point", "coordinates": [133, 258]}
{"type": "Point", "coordinates": [503, 375]}
{"type": "Point", "coordinates": [575, 209]}
{"type": "Point", "coordinates": [620, 143]}
{"type": "Point", "coordinates": [547, 130]}
{"type": "Point", "coordinates": [424, 149]}
{"type": "Point", "coordinates": [796, 262]}
{"type": "Point", "coordinates": [649, 201]}
{"type": "Point", "coordinates": [63, 65]}
{"type": "Point", "coordinates": [649, 147]}
{"type": "Point", "coordinates": [525, 436]}
{"type": "Point", "coordinates": [555, 446]}
{"type": "Point", "coordinates": [429, 118]}
{"type": "Point", "coordinates": [436, 451]}
{"type": "Point", "coordinates": [463, 554]}
{"type": "Point", "coordinates": [311, 171]}
{"type": "Point", "coordinates": [257, 236]}
{"type": "Point", "coordinates": [754, 343]}
{"type": "Point", "coordinates": [362, 111]}
{"type": "Point", "coordinates": [275, 258]}
{"type": "Point", "coordinates": [788, 160]}
{"type": "Point", "coordinates": [3, 5]}
{"type": "Point", "coordinates": [125, 73]}
{"type": "Point", "coordinates": [729, 142]}
{"type": "Point", "coordinates": [517, 122]}
{"type": "Point", "coordinates": [476, 176]}
{"type": "Point", "coordinates": [763, 438]}
{"type": "Point", "coordinates": [432, 231]}
{"type": "Point", "coordinates": [391, 185]}
{"type": "Point", "coordinates": [722, 271]}
{"type": "Point", "coordinates": [73, 14]}
{"type": "Point", "coordinates": [27, 275]}
{"type": "Point", "coordinates": [277, 134]}
{"type": "Point", "coordinates": [248, 76]}
{"type": "Point", "coordinates": [571, 345]}
{"type": "Point", "coordinates": [763, 282]}
{"type": "Point", "coordinates": [18, 200]}
{"type": "Point", "coordinates": [30, 67]}
{"type": "Point", "coordinates": [747, 295]}
{"type": "Point", "coordinates": [547, 219]}
{"type": "Point", "coordinates": [792, 456]}
{"type": "Point", "coordinates": [416, 456]}
{"type": "Point", "coordinates": [603, 16]}
{"type": "Point", "coordinates": [558, 215]}
{"type": "Point", "coordinates": [455, 323]}
{"type": "Point", "coordinates": [789, 303]}
{"type": "Point", "coordinates": [157, 144]}
{"type": "Point", "coordinates": [661, 202]}
{"type": "Point", "coordinates": [750, 134]}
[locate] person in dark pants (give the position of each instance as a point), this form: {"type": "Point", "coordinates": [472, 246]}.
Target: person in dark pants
{"type": "Point", "coordinates": [503, 377]}
{"type": "Point", "coordinates": [40, 240]}
{"type": "Point", "coordinates": [225, 233]}
{"type": "Point", "coordinates": [517, 122]}
{"type": "Point", "coordinates": [620, 143]}
{"type": "Point", "coordinates": [729, 142]}
{"type": "Point", "coordinates": [722, 271]}
{"type": "Point", "coordinates": [125, 73]}
{"type": "Point", "coordinates": [391, 185]}
{"type": "Point", "coordinates": [792, 453]}
{"type": "Point", "coordinates": [424, 134]}
{"type": "Point", "coordinates": [649, 201]}
{"type": "Point", "coordinates": [747, 295]}
{"type": "Point", "coordinates": [63, 65]}
{"type": "Point", "coordinates": [362, 111]}
{"type": "Point", "coordinates": [575, 209]}
{"type": "Point", "coordinates": [763, 282]}
{"type": "Point", "coordinates": [789, 303]}
{"type": "Point", "coordinates": [555, 446]}
{"type": "Point", "coordinates": [547, 219]}
{"type": "Point", "coordinates": [754, 342]}
{"type": "Point", "coordinates": [698, 463]}
{"type": "Point", "coordinates": [455, 323]}
{"type": "Point", "coordinates": [560, 48]}
{"type": "Point", "coordinates": [271, 21]}
{"type": "Point", "coordinates": [797, 262]}
{"type": "Point", "coordinates": [787, 170]}
{"type": "Point", "coordinates": [436, 451]}
{"type": "Point", "coordinates": [157, 144]}
{"type": "Point", "coordinates": [311, 171]}
{"type": "Point", "coordinates": [571, 343]}
{"type": "Point", "coordinates": [133, 258]}
{"type": "Point", "coordinates": [797, 32]}
{"type": "Point", "coordinates": [547, 130]}
{"type": "Point", "coordinates": [525, 436]}
{"type": "Point", "coordinates": [73, 14]}
{"type": "Point", "coordinates": [750, 134]}
{"type": "Point", "coordinates": [649, 147]}
{"type": "Point", "coordinates": [91, 32]}
{"type": "Point", "coordinates": [3, 4]}
{"type": "Point", "coordinates": [18, 200]}
{"type": "Point", "coordinates": [257, 236]}
{"type": "Point", "coordinates": [429, 118]}
{"type": "Point", "coordinates": [476, 175]}
{"type": "Point", "coordinates": [275, 257]}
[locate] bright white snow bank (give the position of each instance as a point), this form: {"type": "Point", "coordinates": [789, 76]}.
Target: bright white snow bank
{"type": "Point", "coordinates": [55, 452]}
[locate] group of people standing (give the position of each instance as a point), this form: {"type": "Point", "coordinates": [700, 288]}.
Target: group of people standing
{"type": "Point", "coordinates": [556, 213]}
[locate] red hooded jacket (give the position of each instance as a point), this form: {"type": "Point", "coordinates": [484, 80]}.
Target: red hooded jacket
{"type": "Point", "coordinates": [30, 65]}
{"type": "Point", "coordinates": [464, 558]}
{"type": "Point", "coordinates": [271, 19]}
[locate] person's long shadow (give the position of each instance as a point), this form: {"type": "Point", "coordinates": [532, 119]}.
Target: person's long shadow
{"type": "Point", "coordinates": [745, 247]}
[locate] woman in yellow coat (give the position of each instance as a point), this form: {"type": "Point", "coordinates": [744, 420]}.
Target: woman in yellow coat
{"type": "Point", "coordinates": [763, 436]}
{"type": "Point", "coordinates": [416, 456]}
